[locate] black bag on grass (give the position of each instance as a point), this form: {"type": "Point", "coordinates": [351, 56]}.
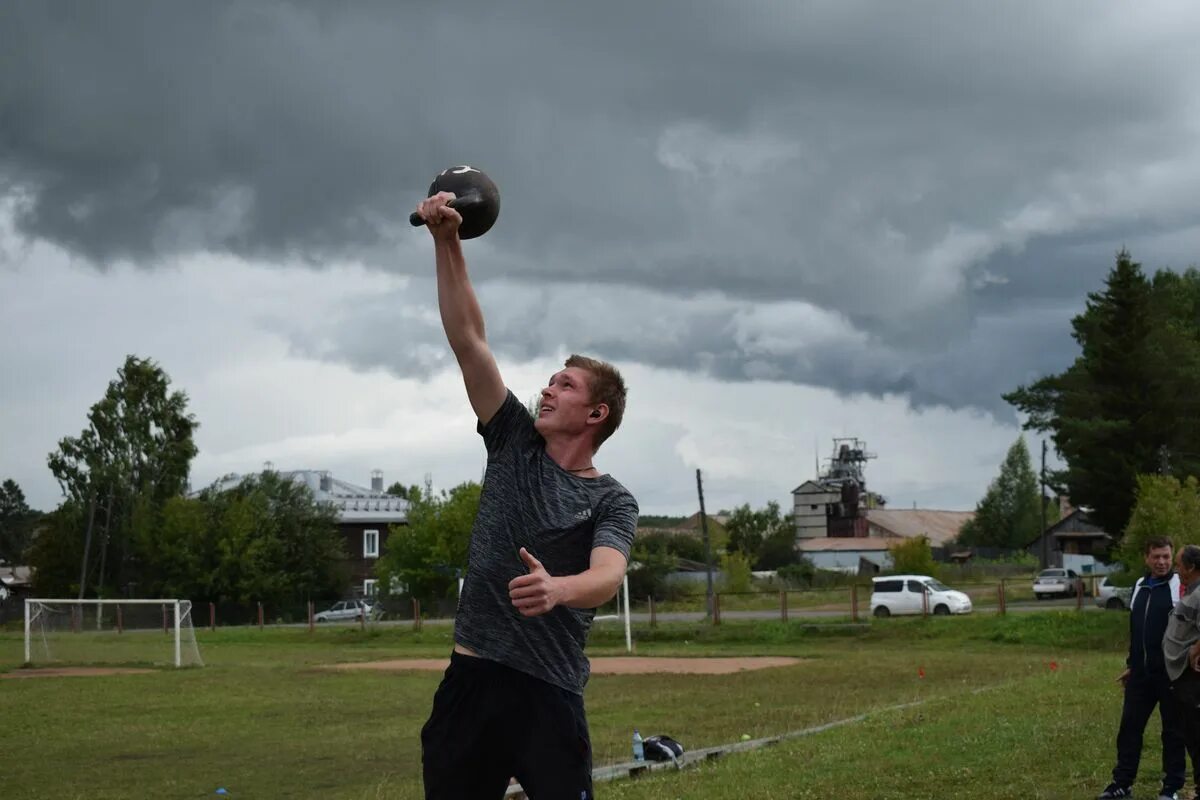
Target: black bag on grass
{"type": "Point", "coordinates": [662, 748]}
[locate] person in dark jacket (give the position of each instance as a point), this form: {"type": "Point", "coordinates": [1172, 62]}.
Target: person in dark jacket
{"type": "Point", "coordinates": [1145, 679]}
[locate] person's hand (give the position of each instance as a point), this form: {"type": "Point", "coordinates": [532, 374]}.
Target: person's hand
{"type": "Point", "coordinates": [537, 592]}
{"type": "Point", "coordinates": [440, 218]}
{"type": "Point", "coordinates": [1123, 678]}
{"type": "Point", "coordinates": [1194, 656]}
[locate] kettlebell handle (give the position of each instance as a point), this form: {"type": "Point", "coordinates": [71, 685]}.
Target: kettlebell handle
{"type": "Point", "coordinates": [460, 204]}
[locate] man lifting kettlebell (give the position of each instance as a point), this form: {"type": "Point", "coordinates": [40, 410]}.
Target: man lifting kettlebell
{"type": "Point", "coordinates": [550, 543]}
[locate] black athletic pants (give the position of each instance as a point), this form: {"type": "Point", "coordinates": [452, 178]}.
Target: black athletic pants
{"type": "Point", "coordinates": [491, 722]}
{"type": "Point", "coordinates": [1142, 693]}
{"type": "Point", "coordinates": [1189, 716]}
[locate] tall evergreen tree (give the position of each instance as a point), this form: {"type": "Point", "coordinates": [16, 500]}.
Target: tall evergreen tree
{"type": "Point", "coordinates": [1009, 516]}
{"type": "Point", "coordinates": [1128, 404]}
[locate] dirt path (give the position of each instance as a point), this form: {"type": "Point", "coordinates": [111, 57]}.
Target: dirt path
{"type": "Point", "coordinates": [67, 672]}
{"type": "Point", "coordinates": [617, 665]}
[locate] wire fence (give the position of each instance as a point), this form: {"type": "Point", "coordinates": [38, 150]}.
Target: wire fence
{"type": "Point", "coordinates": [853, 602]}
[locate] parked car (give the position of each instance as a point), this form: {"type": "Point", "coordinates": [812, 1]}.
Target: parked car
{"type": "Point", "coordinates": [1114, 598]}
{"type": "Point", "coordinates": [915, 594]}
{"type": "Point", "coordinates": [344, 609]}
{"type": "Point", "coordinates": [1057, 582]}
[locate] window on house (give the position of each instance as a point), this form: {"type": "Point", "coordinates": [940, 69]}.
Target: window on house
{"type": "Point", "coordinates": [369, 588]}
{"type": "Point", "coordinates": [370, 544]}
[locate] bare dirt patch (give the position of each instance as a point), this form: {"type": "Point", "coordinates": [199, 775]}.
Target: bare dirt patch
{"type": "Point", "coordinates": [68, 672]}
{"type": "Point", "coordinates": [614, 665]}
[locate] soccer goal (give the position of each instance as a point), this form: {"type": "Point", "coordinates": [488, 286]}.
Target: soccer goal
{"type": "Point", "coordinates": [63, 631]}
{"type": "Point", "coordinates": [622, 612]}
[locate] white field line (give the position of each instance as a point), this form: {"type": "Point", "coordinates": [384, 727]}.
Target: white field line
{"type": "Point", "coordinates": [632, 769]}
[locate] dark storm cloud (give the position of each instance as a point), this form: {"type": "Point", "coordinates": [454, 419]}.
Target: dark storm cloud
{"type": "Point", "coordinates": [713, 335]}
{"type": "Point", "coordinates": [916, 170]}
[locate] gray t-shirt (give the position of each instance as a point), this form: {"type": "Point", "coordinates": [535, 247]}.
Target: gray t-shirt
{"type": "Point", "coordinates": [529, 501]}
{"type": "Point", "coordinates": [1183, 631]}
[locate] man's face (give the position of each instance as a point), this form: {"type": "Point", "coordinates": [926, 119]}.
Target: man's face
{"type": "Point", "coordinates": [1186, 574]}
{"type": "Point", "coordinates": [566, 403]}
{"type": "Point", "coordinates": [1158, 560]}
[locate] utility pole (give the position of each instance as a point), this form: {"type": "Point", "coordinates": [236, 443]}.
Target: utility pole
{"type": "Point", "coordinates": [1164, 460]}
{"type": "Point", "coordinates": [1042, 494]}
{"type": "Point", "coordinates": [87, 540]}
{"type": "Point", "coordinates": [707, 548]}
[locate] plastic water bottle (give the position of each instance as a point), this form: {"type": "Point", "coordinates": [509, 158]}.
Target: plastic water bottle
{"type": "Point", "coordinates": [639, 752]}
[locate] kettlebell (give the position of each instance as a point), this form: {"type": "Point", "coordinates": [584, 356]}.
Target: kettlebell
{"type": "Point", "coordinates": [476, 198]}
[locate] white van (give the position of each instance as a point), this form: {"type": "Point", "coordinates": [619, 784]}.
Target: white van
{"type": "Point", "coordinates": [915, 594]}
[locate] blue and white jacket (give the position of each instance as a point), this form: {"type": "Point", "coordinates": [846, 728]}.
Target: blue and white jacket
{"type": "Point", "coordinates": [1150, 609]}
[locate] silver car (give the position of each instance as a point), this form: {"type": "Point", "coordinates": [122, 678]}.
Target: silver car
{"type": "Point", "coordinates": [343, 609]}
{"type": "Point", "coordinates": [1057, 582]}
{"type": "Point", "coordinates": [1114, 598]}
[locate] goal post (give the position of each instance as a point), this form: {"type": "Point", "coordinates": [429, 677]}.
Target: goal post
{"type": "Point", "coordinates": [622, 613]}
{"type": "Point", "coordinates": [126, 631]}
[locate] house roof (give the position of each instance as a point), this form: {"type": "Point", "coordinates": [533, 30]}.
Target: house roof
{"type": "Point", "coordinates": [1096, 534]}
{"type": "Point", "coordinates": [354, 503]}
{"type": "Point", "coordinates": [1079, 517]}
{"type": "Point", "coordinates": [691, 525]}
{"type": "Point", "coordinates": [847, 544]}
{"type": "Point", "coordinates": [939, 526]}
{"type": "Point", "coordinates": [817, 485]}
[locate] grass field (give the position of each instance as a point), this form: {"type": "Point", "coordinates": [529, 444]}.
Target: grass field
{"type": "Point", "coordinates": [262, 719]}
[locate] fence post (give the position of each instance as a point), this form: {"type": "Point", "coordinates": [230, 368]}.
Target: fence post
{"type": "Point", "coordinates": [310, 616]}
{"type": "Point", "coordinates": [1002, 597]}
{"type": "Point", "coordinates": [783, 606]}
{"type": "Point", "coordinates": [925, 603]}
{"type": "Point", "coordinates": [717, 608]}
{"type": "Point", "coordinates": [1079, 596]}
{"type": "Point", "coordinates": [260, 615]}
{"type": "Point", "coordinates": [120, 622]}
{"type": "Point", "coordinates": [416, 614]}
{"type": "Point", "coordinates": [164, 610]}
{"type": "Point", "coordinates": [212, 617]}
{"type": "Point", "coordinates": [854, 602]}
{"type": "Point", "coordinates": [653, 616]}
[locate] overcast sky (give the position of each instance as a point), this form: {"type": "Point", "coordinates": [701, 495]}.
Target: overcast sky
{"type": "Point", "coordinates": [785, 221]}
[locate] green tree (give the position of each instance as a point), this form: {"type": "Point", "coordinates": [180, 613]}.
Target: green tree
{"type": "Point", "coordinates": [679, 545]}
{"type": "Point", "coordinates": [913, 557]}
{"type": "Point", "coordinates": [408, 492]}
{"type": "Point", "coordinates": [750, 530]}
{"type": "Point", "coordinates": [427, 556]}
{"type": "Point", "coordinates": [1009, 516]}
{"type": "Point", "coordinates": [137, 449]}
{"type": "Point", "coordinates": [54, 552]}
{"type": "Point", "coordinates": [650, 563]}
{"type": "Point", "coordinates": [1127, 405]}
{"type": "Point", "coordinates": [1165, 507]}
{"type": "Point", "coordinates": [778, 549]}
{"type": "Point", "coordinates": [267, 540]}
{"type": "Point", "coordinates": [16, 523]}
{"type": "Point", "coordinates": [735, 572]}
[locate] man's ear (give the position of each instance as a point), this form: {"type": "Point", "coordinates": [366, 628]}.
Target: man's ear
{"type": "Point", "coordinates": [599, 414]}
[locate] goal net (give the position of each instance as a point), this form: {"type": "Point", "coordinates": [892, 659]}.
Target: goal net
{"type": "Point", "coordinates": [61, 631]}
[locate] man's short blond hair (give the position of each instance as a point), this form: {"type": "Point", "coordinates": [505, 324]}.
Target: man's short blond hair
{"type": "Point", "coordinates": [605, 385]}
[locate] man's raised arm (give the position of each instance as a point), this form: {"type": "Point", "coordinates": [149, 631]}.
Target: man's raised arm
{"type": "Point", "coordinates": [462, 318]}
